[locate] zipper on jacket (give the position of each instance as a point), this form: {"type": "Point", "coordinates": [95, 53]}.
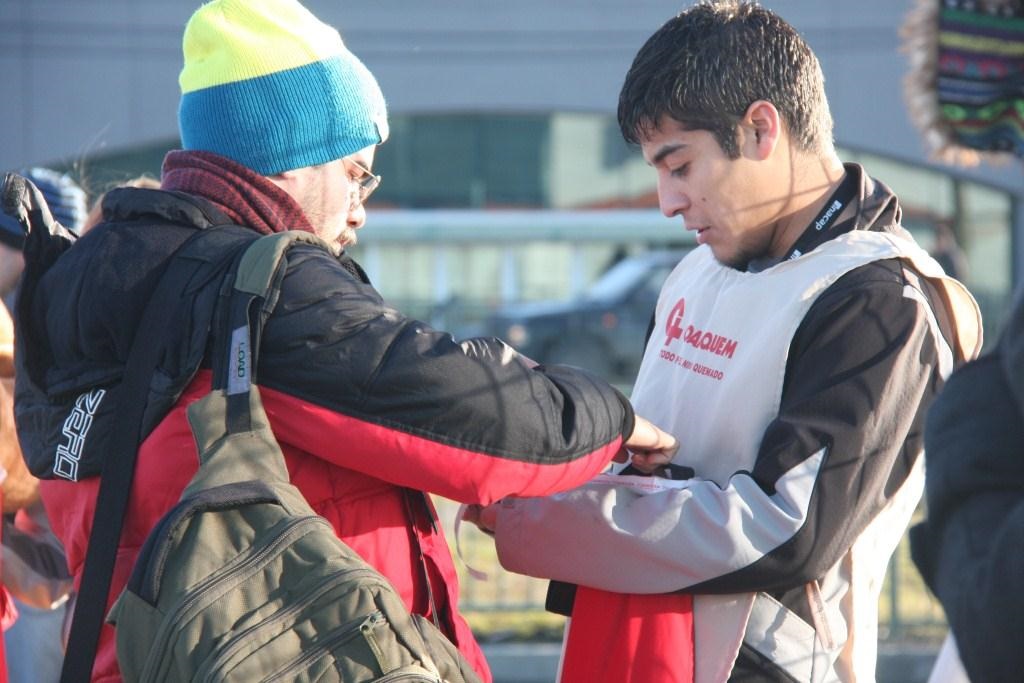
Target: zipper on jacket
{"type": "Point", "coordinates": [237, 571]}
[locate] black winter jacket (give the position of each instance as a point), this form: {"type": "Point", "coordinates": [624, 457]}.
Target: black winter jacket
{"type": "Point", "coordinates": [970, 550]}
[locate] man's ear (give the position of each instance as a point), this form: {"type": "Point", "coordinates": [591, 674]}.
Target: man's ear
{"type": "Point", "coordinates": [761, 130]}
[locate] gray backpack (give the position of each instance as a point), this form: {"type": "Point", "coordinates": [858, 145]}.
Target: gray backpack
{"type": "Point", "coordinates": [242, 581]}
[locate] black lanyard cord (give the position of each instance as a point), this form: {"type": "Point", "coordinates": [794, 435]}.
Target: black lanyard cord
{"type": "Point", "coordinates": [824, 225]}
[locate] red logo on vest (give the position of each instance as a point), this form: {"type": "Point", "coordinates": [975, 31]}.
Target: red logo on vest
{"type": "Point", "coordinates": [698, 339]}
{"type": "Point", "coordinates": [674, 326]}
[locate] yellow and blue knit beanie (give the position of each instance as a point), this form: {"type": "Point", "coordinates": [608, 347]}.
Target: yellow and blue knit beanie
{"type": "Point", "coordinates": [267, 84]}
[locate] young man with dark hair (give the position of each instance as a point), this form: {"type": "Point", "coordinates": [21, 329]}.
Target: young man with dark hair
{"type": "Point", "coordinates": [793, 354]}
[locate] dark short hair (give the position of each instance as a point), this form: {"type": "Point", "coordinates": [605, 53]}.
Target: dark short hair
{"type": "Point", "coordinates": [709, 63]}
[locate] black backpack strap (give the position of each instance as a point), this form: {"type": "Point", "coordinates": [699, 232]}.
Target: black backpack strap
{"type": "Point", "coordinates": [152, 338]}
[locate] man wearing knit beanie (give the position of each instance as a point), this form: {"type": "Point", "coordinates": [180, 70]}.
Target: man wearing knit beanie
{"type": "Point", "coordinates": [279, 123]}
{"type": "Point", "coordinates": [269, 90]}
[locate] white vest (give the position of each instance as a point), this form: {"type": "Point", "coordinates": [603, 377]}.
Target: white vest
{"type": "Point", "coordinates": [712, 375]}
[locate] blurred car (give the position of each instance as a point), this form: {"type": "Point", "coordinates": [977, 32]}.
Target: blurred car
{"type": "Point", "coordinates": [602, 330]}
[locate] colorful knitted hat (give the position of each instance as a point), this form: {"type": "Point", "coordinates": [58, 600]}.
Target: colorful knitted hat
{"type": "Point", "coordinates": [269, 85]}
{"type": "Point", "coordinates": [964, 87]}
{"type": "Point", "coordinates": [63, 195]}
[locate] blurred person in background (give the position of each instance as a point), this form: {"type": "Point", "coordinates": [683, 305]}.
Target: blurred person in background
{"type": "Point", "coordinates": [794, 354]}
{"type": "Point", "coordinates": [280, 123]}
{"type": "Point", "coordinates": [33, 565]}
{"type": "Point", "coordinates": [970, 548]}
{"type": "Point", "coordinates": [10, 459]}
{"type": "Point", "coordinates": [948, 252]}
{"type": "Point", "coordinates": [95, 214]}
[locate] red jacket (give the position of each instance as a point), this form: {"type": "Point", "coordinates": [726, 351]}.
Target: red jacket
{"type": "Point", "coordinates": [370, 408]}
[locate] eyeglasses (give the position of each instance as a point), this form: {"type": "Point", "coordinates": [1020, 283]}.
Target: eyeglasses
{"type": "Point", "coordinates": [364, 184]}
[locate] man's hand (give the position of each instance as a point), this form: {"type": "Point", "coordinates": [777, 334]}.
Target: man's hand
{"type": "Point", "coordinates": [484, 516]}
{"type": "Point", "coordinates": [648, 446]}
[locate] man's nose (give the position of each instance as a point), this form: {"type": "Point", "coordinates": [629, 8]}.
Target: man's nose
{"type": "Point", "coordinates": [671, 200]}
{"type": "Point", "coordinates": [356, 216]}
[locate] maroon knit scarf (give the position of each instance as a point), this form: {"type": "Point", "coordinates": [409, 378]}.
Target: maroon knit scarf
{"type": "Point", "coordinates": [246, 197]}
